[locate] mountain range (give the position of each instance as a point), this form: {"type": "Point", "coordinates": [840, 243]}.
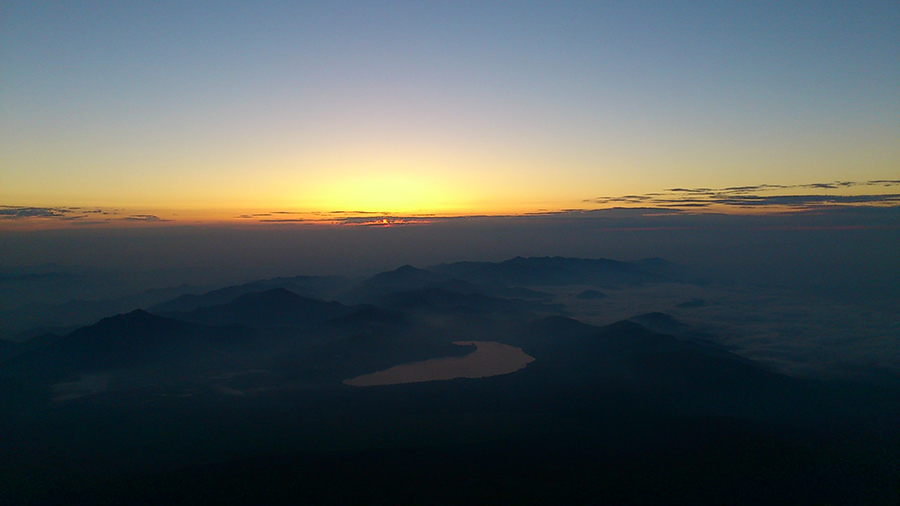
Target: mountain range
{"type": "Point", "coordinates": [236, 396]}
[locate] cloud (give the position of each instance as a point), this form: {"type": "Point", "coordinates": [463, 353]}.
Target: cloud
{"type": "Point", "coordinates": [145, 218]}
{"type": "Point", "coordinates": [807, 200]}
{"type": "Point", "coordinates": [791, 197]}
{"type": "Point", "coordinates": [71, 215]}
{"type": "Point", "coordinates": [381, 220]}
{"type": "Point", "coordinates": [386, 221]}
{"type": "Point", "coordinates": [17, 212]}
{"type": "Point", "coordinates": [625, 199]}
{"type": "Point", "coordinates": [690, 204]}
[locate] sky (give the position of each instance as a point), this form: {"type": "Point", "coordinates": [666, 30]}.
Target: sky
{"type": "Point", "coordinates": [244, 112]}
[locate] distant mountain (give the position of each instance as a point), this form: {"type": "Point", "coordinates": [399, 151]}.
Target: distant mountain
{"type": "Point", "coordinates": [368, 316]}
{"type": "Point", "coordinates": [190, 301]}
{"type": "Point", "coordinates": [619, 353]}
{"type": "Point", "coordinates": [151, 351]}
{"type": "Point", "coordinates": [584, 341]}
{"type": "Point", "coordinates": [316, 287]}
{"type": "Point", "coordinates": [33, 333]}
{"type": "Point", "coordinates": [243, 389]}
{"type": "Point", "coordinates": [276, 307]}
{"type": "Point", "coordinates": [402, 279]}
{"type": "Point", "coordinates": [660, 322]}
{"type": "Point", "coordinates": [13, 348]}
{"type": "Point", "coordinates": [35, 319]}
{"type": "Point", "coordinates": [130, 331]}
{"type": "Point", "coordinates": [692, 303]}
{"type": "Point", "coordinates": [668, 324]}
{"type": "Point", "coordinates": [408, 278]}
{"type": "Point", "coordinates": [591, 295]}
{"type": "Point", "coordinates": [320, 287]}
{"type": "Point", "coordinates": [135, 339]}
{"type": "Point", "coordinates": [629, 362]}
{"type": "Point", "coordinates": [431, 300]}
{"type": "Point", "coordinates": [549, 271]}
{"type": "Point", "coordinates": [498, 289]}
{"type": "Point", "coordinates": [260, 415]}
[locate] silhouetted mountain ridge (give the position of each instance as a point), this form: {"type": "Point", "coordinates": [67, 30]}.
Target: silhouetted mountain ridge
{"type": "Point", "coordinates": [659, 321]}
{"type": "Point", "coordinates": [402, 279]}
{"type": "Point", "coordinates": [408, 278]}
{"type": "Point", "coordinates": [245, 395]}
{"type": "Point", "coordinates": [667, 324]}
{"type": "Point", "coordinates": [439, 299]}
{"type": "Point", "coordinates": [308, 286]}
{"type": "Point", "coordinates": [277, 307]}
{"type": "Point", "coordinates": [134, 339]}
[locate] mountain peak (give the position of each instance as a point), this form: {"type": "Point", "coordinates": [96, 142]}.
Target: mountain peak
{"type": "Point", "coordinates": [404, 275]}
{"type": "Point", "coordinates": [137, 321]}
{"type": "Point", "coordinates": [626, 326]}
{"type": "Point", "coordinates": [274, 293]}
{"type": "Point", "coordinates": [273, 298]}
{"type": "Point", "coordinates": [138, 315]}
{"type": "Point", "coordinates": [276, 307]}
{"type": "Point", "coordinates": [657, 317]}
{"type": "Point", "coordinates": [406, 271]}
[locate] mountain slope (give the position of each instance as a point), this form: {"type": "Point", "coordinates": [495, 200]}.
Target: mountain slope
{"type": "Point", "coordinates": [321, 287]}
{"type": "Point", "coordinates": [277, 307]}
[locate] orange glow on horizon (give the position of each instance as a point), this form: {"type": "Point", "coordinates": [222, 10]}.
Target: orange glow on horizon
{"type": "Point", "coordinates": [385, 200]}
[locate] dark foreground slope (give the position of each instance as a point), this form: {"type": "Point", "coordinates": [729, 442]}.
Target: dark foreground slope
{"type": "Point", "coordinates": [244, 404]}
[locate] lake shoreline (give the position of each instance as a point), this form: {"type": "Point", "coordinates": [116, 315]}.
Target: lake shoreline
{"type": "Point", "coordinates": [489, 359]}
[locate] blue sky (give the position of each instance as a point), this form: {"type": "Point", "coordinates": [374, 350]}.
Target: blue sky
{"type": "Point", "coordinates": [449, 107]}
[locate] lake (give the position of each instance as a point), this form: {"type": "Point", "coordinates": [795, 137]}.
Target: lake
{"type": "Point", "coordinates": [488, 359]}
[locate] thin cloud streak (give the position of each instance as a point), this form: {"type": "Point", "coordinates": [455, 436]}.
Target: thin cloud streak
{"type": "Point", "coordinates": [759, 196]}
{"type": "Point", "coordinates": [145, 218]}
{"type": "Point", "coordinates": [18, 213]}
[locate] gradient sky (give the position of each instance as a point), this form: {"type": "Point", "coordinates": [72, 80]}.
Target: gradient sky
{"type": "Point", "coordinates": [437, 107]}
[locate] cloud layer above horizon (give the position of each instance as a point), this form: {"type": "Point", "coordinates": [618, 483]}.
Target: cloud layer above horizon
{"type": "Point", "coordinates": [763, 198]}
{"type": "Point", "coordinates": [764, 195]}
